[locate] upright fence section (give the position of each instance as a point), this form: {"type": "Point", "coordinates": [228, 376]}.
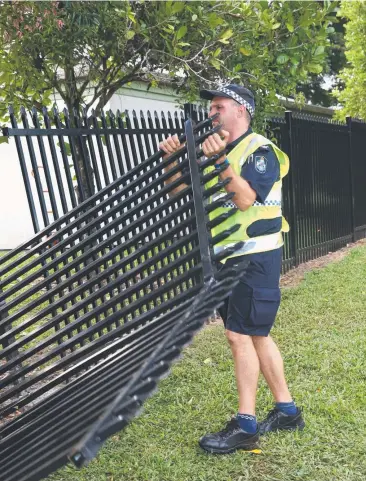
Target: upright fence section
{"type": "Point", "coordinates": [65, 159]}
{"type": "Point", "coordinates": [94, 308]}
{"type": "Point", "coordinates": [357, 135]}
{"type": "Point", "coordinates": [324, 196]}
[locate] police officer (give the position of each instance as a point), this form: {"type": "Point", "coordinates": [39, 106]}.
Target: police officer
{"type": "Point", "coordinates": [256, 167]}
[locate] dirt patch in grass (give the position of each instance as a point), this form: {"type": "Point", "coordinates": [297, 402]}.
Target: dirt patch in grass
{"type": "Point", "coordinates": [295, 276]}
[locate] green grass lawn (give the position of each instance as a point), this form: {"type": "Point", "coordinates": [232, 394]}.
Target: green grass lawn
{"type": "Point", "coordinates": [321, 331]}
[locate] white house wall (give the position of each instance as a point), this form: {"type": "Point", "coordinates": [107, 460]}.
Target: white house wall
{"type": "Point", "coordinates": [15, 220]}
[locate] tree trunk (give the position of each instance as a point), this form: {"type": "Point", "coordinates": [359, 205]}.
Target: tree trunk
{"type": "Point", "coordinates": [87, 178]}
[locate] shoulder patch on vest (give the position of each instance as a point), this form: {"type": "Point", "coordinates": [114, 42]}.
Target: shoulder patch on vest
{"type": "Point", "coordinates": [260, 164]}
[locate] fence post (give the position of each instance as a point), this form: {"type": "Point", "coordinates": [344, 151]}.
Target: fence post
{"type": "Point", "coordinates": [293, 215]}
{"type": "Point", "coordinates": [203, 241]}
{"type": "Point", "coordinates": [351, 179]}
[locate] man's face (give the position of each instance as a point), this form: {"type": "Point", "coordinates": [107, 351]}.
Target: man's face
{"type": "Point", "coordinates": [228, 111]}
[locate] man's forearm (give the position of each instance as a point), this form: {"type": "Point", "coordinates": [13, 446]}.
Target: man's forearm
{"type": "Point", "coordinates": [244, 194]}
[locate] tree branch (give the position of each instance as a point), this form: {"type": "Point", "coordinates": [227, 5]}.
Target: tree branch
{"type": "Point", "coordinates": [113, 87]}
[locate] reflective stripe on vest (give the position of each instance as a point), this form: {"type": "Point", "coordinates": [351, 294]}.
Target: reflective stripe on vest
{"type": "Point", "coordinates": [270, 209]}
{"type": "Point", "coordinates": [252, 246]}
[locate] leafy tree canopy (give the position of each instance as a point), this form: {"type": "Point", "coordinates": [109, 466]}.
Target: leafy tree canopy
{"type": "Point", "coordinates": [318, 87]}
{"type": "Point", "coordinates": [353, 96]}
{"type": "Point", "coordinates": [69, 47]}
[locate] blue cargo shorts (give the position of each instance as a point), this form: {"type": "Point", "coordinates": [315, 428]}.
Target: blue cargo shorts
{"type": "Point", "coordinates": [252, 307]}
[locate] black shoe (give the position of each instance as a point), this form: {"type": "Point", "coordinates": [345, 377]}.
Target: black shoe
{"type": "Point", "coordinates": [231, 438]}
{"type": "Point", "coordinates": [276, 420]}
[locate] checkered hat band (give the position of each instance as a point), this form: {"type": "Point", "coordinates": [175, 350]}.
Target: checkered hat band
{"type": "Point", "coordinates": [267, 202]}
{"type": "Point", "coordinates": [229, 204]}
{"type": "Point", "coordinates": [237, 97]}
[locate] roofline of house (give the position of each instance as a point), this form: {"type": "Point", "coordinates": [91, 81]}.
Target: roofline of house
{"type": "Point", "coordinates": [314, 109]}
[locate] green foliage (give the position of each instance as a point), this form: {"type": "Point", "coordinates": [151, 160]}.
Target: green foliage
{"type": "Point", "coordinates": [317, 88]}
{"type": "Point", "coordinates": [85, 51]}
{"type": "Point", "coordinates": [353, 96]}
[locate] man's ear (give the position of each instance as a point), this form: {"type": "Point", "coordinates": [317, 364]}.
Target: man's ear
{"type": "Point", "coordinates": [241, 111]}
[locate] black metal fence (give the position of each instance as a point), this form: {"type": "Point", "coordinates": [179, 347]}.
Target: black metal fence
{"type": "Point", "coordinates": [99, 304]}
{"type": "Point", "coordinates": [64, 160]}
{"type": "Point", "coordinates": [324, 194]}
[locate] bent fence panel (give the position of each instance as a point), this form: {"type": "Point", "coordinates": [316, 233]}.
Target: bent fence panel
{"type": "Point", "coordinates": [96, 307]}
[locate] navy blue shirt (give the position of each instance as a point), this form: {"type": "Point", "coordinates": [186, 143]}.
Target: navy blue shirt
{"type": "Point", "coordinates": [261, 170]}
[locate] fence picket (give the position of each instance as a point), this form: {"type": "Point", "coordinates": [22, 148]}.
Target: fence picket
{"type": "Point", "coordinates": [91, 149]}
{"type": "Point", "coordinates": [109, 147]}
{"type": "Point", "coordinates": [35, 170]}
{"type": "Point", "coordinates": [65, 160]}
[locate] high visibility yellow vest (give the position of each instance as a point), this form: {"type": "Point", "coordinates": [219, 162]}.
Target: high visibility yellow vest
{"type": "Point", "coordinates": [270, 209]}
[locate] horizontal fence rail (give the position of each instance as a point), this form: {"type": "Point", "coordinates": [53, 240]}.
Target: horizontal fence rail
{"type": "Point", "coordinates": [95, 308]}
